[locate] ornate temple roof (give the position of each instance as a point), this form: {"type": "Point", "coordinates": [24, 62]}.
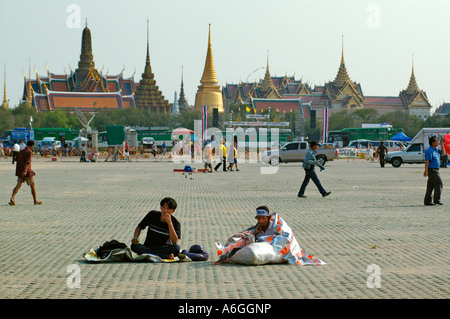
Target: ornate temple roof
{"type": "Point", "coordinates": [147, 94]}
{"type": "Point", "coordinates": [86, 88]}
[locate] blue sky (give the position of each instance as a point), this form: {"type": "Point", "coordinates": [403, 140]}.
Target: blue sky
{"type": "Point", "coordinates": [303, 39]}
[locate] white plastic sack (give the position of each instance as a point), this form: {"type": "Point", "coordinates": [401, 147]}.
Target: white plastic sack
{"type": "Point", "coordinates": [260, 253]}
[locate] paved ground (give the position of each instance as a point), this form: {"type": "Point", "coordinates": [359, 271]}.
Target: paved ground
{"type": "Point", "coordinates": [373, 216]}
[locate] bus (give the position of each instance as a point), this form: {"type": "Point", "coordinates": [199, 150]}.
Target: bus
{"type": "Point", "coordinates": [345, 136]}
{"type": "Point", "coordinates": [62, 134]}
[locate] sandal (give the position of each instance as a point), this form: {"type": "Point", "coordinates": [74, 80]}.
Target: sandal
{"type": "Point", "coordinates": [38, 203]}
{"type": "Point", "coordinates": [11, 203]}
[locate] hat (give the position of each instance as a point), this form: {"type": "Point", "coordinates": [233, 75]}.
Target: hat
{"type": "Point", "coordinates": [262, 212]}
{"type": "Point", "coordinates": [196, 249]}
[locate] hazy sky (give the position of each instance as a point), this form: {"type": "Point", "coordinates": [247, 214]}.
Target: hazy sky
{"type": "Point", "coordinates": [303, 39]}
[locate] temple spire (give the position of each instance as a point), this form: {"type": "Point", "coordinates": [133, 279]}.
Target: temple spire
{"type": "Point", "coordinates": [5, 104]}
{"type": "Point", "coordinates": [86, 56]}
{"type": "Point", "coordinates": [148, 68]}
{"type": "Point", "coordinates": [342, 75]}
{"type": "Point", "coordinates": [267, 83]}
{"type": "Point", "coordinates": [412, 86]}
{"type": "Point", "coordinates": [148, 96]}
{"type": "Point", "coordinates": [209, 92]}
{"type": "Point", "coordinates": [182, 103]}
{"type": "Point", "coordinates": [209, 73]}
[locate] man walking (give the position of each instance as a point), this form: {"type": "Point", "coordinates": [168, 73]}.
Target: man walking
{"type": "Point", "coordinates": [432, 161]}
{"type": "Point", "coordinates": [16, 150]}
{"type": "Point", "coordinates": [24, 173]}
{"type": "Point", "coordinates": [382, 151]}
{"type": "Point", "coordinates": [223, 155]}
{"type": "Point", "coordinates": [309, 163]}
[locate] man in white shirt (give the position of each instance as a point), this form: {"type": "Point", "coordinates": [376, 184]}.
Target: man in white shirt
{"type": "Point", "coordinates": [16, 150]}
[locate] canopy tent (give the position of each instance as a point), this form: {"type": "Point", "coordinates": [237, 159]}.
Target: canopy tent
{"type": "Point", "coordinates": [400, 137]}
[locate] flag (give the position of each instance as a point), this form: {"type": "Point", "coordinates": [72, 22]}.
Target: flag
{"type": "Point", "coordinates": [204, 122]}
{"type": "Point", "coordinates": [325, 125]}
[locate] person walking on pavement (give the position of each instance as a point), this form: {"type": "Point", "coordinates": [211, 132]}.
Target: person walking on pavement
{"type": "Point", "coordinates": [309, 163]}
{"type": "Point", "coordinates": [24, 173]}
{"type": "Point", "coordinates": [223, 155]}
{"type": "Point", "coordinates": [382, 152]}
{"type": "Point", "coordinates": [16, 150]}
{"type": "Point", "coordinates": [208, 157]}
{"type": "Point", "coordinates": [432, 161]}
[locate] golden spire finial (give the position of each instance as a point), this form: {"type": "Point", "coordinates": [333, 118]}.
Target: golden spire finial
{"type": "Point", "coordinates": [412, 85]}
{"type": "Point", "coordinates": [209, 73]}
{"type": "Point", "coordinates": [342, 75]}
{"type": "Point", "coordinates": [5, 99]}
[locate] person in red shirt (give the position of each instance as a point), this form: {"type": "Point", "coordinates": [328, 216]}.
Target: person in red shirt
{"type": "Point", "coordinates": [24, 173]}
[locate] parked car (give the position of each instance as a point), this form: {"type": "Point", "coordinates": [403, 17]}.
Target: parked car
{"type": "Point", "coordinates": [296, 152]}
{"type": "Point", "coordinates": [415, 152]}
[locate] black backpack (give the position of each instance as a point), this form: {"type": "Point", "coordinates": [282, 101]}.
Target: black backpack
{"type": "Point", "coordinates": [104, 250]}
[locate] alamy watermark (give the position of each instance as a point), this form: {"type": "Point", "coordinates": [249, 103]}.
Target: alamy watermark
{"type": "Point", "coordinates": [374, 19]}
{"type": "Point", "coordinates": [73, 20]}
{"type": "Point", "coordinates": [74, 278]}
{"type": "Point", "coordinates": [374, 279]}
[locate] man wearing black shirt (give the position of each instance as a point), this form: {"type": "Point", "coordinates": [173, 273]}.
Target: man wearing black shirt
{"type": "Point", "coordinates": [382, 152]}
{"type": "Point", "coordinates": [163, 232]}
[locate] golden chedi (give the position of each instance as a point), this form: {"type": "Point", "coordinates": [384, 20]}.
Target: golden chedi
{"type": "Point", "coordinates": [209, 92]}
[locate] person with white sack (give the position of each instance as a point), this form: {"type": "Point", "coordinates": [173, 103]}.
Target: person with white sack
{"type": "Point", "coordinates": [271, 240]}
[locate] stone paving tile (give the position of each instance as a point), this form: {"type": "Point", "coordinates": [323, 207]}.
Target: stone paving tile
{"type": "Point", "coordinates": [373, 216]}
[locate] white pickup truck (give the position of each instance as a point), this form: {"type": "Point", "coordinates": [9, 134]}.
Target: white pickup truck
{"type": "Point", "coordinates": [415, 152]}
{"type": "Point", "coordinates": [296, 152]}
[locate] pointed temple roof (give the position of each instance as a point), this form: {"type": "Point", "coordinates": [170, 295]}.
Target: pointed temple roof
{"type": "Point", "coordinates": [413, 96]}
{"type": "Point", "coordinates": [86, 89]}
{"type": "Point", "coordinates": [148, 95]}
{"type": "Point", "coordinates": [182, 103]}
{"type": "Point", "coordinates": [342, 76]}
{"type": "Point", "coordinates": [209, 73]}
{"type": "Point", "coordinates": [267, 83]}
{"type": "Point", "coordinates": [209, 93]}
{"type": "Point", "coordinates": [412, 85]}
{"type": "Point", "coordinates": [5, 103]}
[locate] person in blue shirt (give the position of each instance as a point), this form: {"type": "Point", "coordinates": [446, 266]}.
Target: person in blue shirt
{"type": "Point", "coordinates": [308, 165]}
{"type": "Point", "coordinates": [432, 163]}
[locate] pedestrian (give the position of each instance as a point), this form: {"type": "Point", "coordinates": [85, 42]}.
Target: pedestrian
{"type": "Point", "coordinates": [208, 158]}
{"type": "Point", "coordinates": [432, 161]}
{"type": "Point", "coordinates": [230, 157]}
{"type": "Point", "coordinates": [308, 164]}
{"type": "Point", "coordinates": [24, 173]}
{"type": "Point", "coordinates": [127, 151]}
{"type": "Point", "coordinates": [235, 157]}
{"type": "Point", "coordinates": [163, 232]}
{"type": "Point", "coordinates": [223, 156]}
{"type": "Point", "coordinates": [2, 152]}
{"type": "Point", "coordinates": [382, 152]}
{"type": "Point", "coordinates": [16, 150]}
{"type": "Point", "coordinates": [83, 153]}
{"type": "Point", "coordinates": [22, 145]}
{"type": "Point", "coordinates": [164, 148]}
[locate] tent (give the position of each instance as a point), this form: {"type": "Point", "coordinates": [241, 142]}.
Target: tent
{"type": "Point", "coordinates": [400, 137]}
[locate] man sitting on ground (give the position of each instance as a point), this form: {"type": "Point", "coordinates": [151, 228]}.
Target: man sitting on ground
{"type": "Point", "coordinates": [163, 232]}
